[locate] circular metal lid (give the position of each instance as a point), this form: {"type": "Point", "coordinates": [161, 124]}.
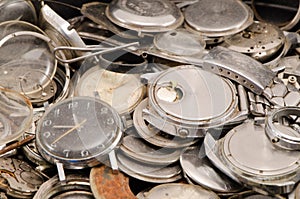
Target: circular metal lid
{"type": "Point", "coordinates": [145, 15]}
{"type": "Point", "coordinates": [218, 18]}
{"type": "Point", "coordinates": [121, 91]}
{"type": "Point", "coordinates": [155, 136]}
{"type": "Point", "coordinates": [148, 172]}
{"type": "Point", "coordinates": [16, 115]}
{"type": "Point", "coordinates": [190, 95]}
{"type": "Point", "coordinates": [142, 151]}
{"type": "Point", "coordinates": [197, 166]}
{"type": "Point", "coordinates": [75, 186]}
{"type": "Point", "coordinates": [248, 151]}
{"type": "Point", "coordinates": [105, 184]}
{"type": "Point", "coordinates": [179, 191]}
{"type": "Point", "coordinates": [260, 40]}
{"type": "Point", "coordinates": [179, 42]}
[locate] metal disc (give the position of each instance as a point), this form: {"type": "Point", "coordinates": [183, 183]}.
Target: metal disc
{"type": "Point", "coordinates": [218, 18]}
{"type": "Point", "coordinates": [145, 15]}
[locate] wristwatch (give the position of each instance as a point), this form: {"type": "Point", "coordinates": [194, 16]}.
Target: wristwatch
{"type": "Point", "coordinates": [79, 132]}
{"type": "Point", "coordinates": [248, 156]}
{"type": "Point", "coordinates": [174, 103]}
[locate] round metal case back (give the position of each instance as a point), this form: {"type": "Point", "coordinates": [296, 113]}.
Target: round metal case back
{"type": "Point", "coordinates": [248, 152]}
{"type": "Point", "coordinates": [145, 15]}
{"type": "Point", "coordinates": [189, 95]}
{"type": "Point", "coordinates": [218, 18]}
{"type": "Point", "coordinates": [78, 132]}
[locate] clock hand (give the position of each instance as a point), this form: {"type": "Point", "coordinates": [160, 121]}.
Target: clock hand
{"type": "Point", "coordinates": [69, 131]}
{"type": "Point", "coordinates": [62, 127]}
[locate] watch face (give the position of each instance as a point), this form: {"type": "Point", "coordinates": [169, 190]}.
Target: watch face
{"type": "Point", "coordinates": [121, 91]}
{"type": "Point", "coordinates": [78, 130]}
{"type": "Point", "coordinates": [145, 16]}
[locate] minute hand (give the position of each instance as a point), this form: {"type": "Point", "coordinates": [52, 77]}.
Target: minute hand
{"type": "Point", "coordinates": [69, 131]}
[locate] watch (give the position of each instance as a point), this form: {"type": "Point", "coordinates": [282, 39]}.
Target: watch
{"type": "Point", "coordinates": [145, 16]}
{"type": "Point", "coordinates": [282, 127]}
{"type": "Point", "coordinates": [122, 91]}
{"type": "Point", "coordinates": [78, 132]}
{"type": "Point", "coordinates": [248, 156]}
{"type": "Point", "coordinates": [175, 102]}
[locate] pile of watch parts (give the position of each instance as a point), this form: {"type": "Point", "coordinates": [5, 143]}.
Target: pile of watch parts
{"type": "Point", "coordinates": [150, 99]}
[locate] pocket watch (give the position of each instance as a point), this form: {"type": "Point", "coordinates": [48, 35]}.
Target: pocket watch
{"type": "Point", "coordinates": [218, 18]}
{"type": "Point", "coordinates": [18, 178]}
{"type": "Point", "coordinates": [188, 107]}
{"type": "Point", "coordinates": [75, 186]}
{"type": "Point", "coordinates": [78, 132]}
{"type": "Point", "coordinates": [106, 184]}
{"type": "Point", "coordinates": [200, 170]}
{"type": "Point", "coordinates": [178, 191]}
{"type": "Point", "coordinates": [261, 40]}
{"type": "Point", "coordinates": [122, 91]}
{"type": "Point", "coordinates": [248, 155]}
{"type": "Point", "coordinates": [145, 16]}
{"type": "Point", "coordinates": [16, 114]}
